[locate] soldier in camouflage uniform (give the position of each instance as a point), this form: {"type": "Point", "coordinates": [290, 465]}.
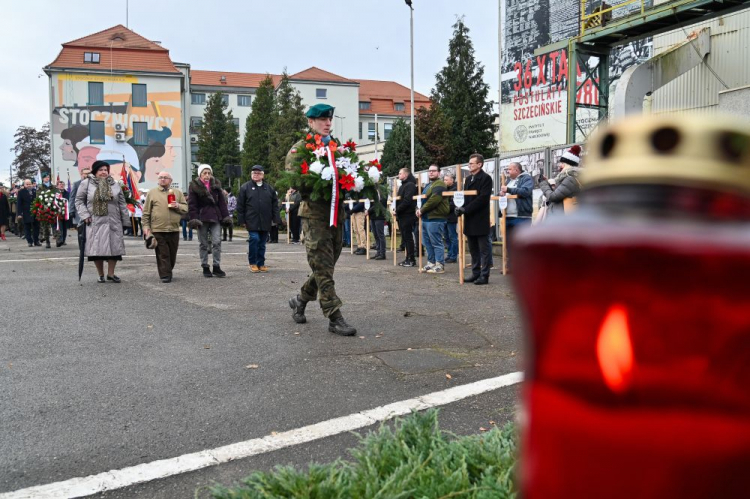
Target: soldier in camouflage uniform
{"type": "Point", "coordinates": [322, 242]}
{"type": "Point", "coordinates": [45, 227]}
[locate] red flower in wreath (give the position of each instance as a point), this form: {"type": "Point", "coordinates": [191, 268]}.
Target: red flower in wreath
{"type": "Point", "coordinates": [376, 164]}
{"type": "Point", "coordinates": [332, 145]}
{"type": "Point", "coordinates": [347, 182]}
{"type": "Point", "coordinates": [310, 147]}
{"type": "Point", "coordinates": [318, 139]}
{"type": "Point", "coordinates": [309, 136]}
{"type": "Point", "coordinates": [351, 145]}
{"type": "Point", "coordinates": [304, 167]}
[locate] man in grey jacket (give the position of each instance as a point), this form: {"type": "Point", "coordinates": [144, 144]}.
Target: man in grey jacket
{"type": "Point", "coordinates": [519, 210]}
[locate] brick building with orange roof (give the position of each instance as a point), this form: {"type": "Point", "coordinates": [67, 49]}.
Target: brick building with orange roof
{"type": "Point", "coordinates": [117, 96]}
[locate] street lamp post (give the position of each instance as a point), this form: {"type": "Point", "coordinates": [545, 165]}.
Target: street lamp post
{"type": "Point", "coordinates": [500, 75]}
{"type": "Point", "coordinates": [411, 25]}
{"type": "Point", "coordinates": [341, 123]}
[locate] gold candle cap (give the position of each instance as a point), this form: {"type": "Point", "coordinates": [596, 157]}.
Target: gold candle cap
{"type": "Point", "coordinates": [678, 149]}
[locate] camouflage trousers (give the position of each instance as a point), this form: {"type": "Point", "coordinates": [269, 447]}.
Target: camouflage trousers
{"type": "Point", "coordinates": [46, 229]}
{"type": "Point", "coordinates": [323, 244]}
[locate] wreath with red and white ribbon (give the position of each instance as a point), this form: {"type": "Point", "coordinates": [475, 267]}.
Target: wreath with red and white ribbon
{"type": "Point", "coordinates": [328, 170]}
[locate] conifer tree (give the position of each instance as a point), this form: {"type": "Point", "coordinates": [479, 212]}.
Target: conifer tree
{"type": "Point", "coordinates": [397, 151]}
{"type": "Point", "coordinates": [229, 152]}
{"type": "Point", "coordinates": [211, 135]}
{"type": "Point", "coordinates": [433, 131]}
{"type": "Point", "coordinates": [462, 93]}
{"type": "Point", "coordinates": [256, 145]}
{"type": "Point", "coordinates": [288, 127]}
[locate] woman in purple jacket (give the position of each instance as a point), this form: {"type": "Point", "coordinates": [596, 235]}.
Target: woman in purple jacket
{"type": "Point", "coordinates": [208, 211]}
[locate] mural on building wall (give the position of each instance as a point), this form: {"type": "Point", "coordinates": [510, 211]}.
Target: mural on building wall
{"type": "Point", "coordinates": [535, 88]}
{"type": "Point", "coordinates": [159, 149]}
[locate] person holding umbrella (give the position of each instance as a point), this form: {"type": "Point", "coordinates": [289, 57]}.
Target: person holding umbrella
{"type": "Point", "coordinates": [101, 205]}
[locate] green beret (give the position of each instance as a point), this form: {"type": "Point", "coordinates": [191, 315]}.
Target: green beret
{"type": "Point", "coordinates": [320, 111]}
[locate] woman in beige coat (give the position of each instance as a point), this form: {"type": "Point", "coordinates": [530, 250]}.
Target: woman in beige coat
{"type": "Point", "coordinates": [100, 203]}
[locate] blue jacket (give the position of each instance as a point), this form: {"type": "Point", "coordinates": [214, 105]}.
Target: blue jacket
{"type": "Point", "coordinates": [523, 190]}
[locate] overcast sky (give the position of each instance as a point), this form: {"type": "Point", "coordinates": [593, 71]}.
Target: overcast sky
{"type": "Point", "coordinates": [367, 39]}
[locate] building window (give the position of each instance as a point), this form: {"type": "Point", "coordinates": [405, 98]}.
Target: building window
{"type": "Point", "coordinates": [91, 57]}
{"type": "Point", "coordinates": [371, 131]}
{"type": "Point", "coordinates": [225, 99]}
{"type": "Point", "coordinates": [321, 93]}
{"type": "Point", "coordinates": [198, 99]}
{"type": "Point", "coordinates": [360, 130]}
{"type": "Point", "coordinates": [364, 106]}
{"type": "Point", "coordinates": [96, 93]}
{"type": "Point", "coordinates": [140, 95]}
{"type": "Point", "coordinates": [194, 153]}
{"type": "Point", "coordinates": [387, 127]}
{"type": "Point", "coordinates": [243, 100]}
{"type": "Point", "coordinates": [140, 133]}
{"type": "Point", "coordinates": [96, 132]}
{"type": "Point", "coordinates": [398, 106]}
{"type": "Point", "coordinates": [236, 123]}
{"type": "Point", "coordinates": [196, 122]}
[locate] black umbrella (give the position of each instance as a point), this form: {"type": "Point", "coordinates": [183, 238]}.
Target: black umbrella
{"type": "Point", "coordinates": [81, 247]}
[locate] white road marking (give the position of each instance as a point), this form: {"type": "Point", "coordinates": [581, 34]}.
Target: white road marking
{"type": "Point", "coordinates": [155, 470]}
{"type": "Point", "coordinates": [52, 259]}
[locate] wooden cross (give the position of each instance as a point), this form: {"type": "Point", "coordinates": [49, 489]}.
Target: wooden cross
{"type": "Point", "coordinates": [367, 227]}
{"type": "Point", "coordinates": [462, 239]}
{"type": "Point", "coordinates": [287, 203]}
{"type": "Point", "coordinates": [503, 230]}
{"type": "Point", "coordinates": [351, 202]}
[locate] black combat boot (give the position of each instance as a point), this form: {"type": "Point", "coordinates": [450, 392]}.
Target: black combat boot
{"type": "Point", "coordinates": [338, 325]}
{"type": "Point", "coordinates": [207, 271]}
{"type": "Point", "coordinates": [218, 272]}
{"type": "Point", "coordinates": [298, 305]}
{"type": "Point", "coordinates": [48, 244]}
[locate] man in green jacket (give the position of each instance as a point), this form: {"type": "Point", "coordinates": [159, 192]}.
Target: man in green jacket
{"type": "Point", "coordinates": [161, 219]}
{"type": "Point", "coordinates": [433, 213]}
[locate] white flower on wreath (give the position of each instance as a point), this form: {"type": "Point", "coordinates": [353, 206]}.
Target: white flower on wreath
{"type": "Point", "coordinates": [359, 183]}
{"type": "Point", "coordinates": [374, 174]}
{"type": "Point", "coordinates": [321, 151]}
{"type": "Point", "coordinates": [343, 150]}
{"type": "Point", "coordinates": [344, 163]}
{"type": "Point", "coordinates": [317, 167]}
{"type": "Point", "coordinates": [327, 173]}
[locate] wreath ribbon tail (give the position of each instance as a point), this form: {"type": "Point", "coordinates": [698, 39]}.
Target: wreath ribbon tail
{"type": "Point", "coordinates": [335, 189]}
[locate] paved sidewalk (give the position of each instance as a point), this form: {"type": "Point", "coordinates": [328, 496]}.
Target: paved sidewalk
{"type": "Point", "coordinates": [95, 377]}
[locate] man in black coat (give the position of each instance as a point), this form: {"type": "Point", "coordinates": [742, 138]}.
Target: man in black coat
{"type": "Point", "coordinates": [30, 223]}
{"type": "Point", "coordinates": [257, 210]}
{"type": "Point", "coordinates": [406, 207]}
{"type": "Point", "coordinates": [477, 220]}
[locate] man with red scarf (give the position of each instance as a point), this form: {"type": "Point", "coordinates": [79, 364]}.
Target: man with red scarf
{"type": "Point", "coordinates": [323, 242]}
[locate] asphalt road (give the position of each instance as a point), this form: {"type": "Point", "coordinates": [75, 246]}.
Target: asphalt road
{"type": "Point", "coordinates": [95, 377]}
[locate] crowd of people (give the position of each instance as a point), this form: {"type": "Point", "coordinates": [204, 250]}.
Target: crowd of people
{"type": "Point", "coordinates": [97, 206]}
